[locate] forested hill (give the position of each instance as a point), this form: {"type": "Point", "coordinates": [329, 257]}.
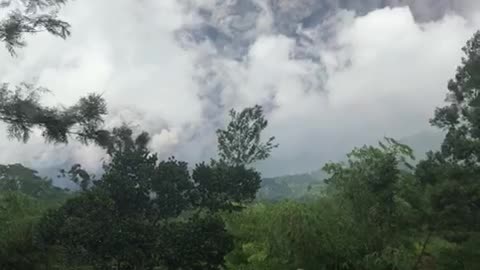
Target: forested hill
{"type": "Point", "coordinates": [297, 186]}
{"type": "Point", "coordinates": [20, 179]}
{"type": "Point", "coordinates": [290, 186]}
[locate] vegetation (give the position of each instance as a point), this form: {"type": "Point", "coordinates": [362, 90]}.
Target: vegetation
{"type": "Point", "coordinates": [296, 187]}
{"type": "Point", "coordinates": [36, 16]}
{"type": "Point", "coordinates": [20, 106]}
{"type": "Point", "coordinates": [143, 213]}
{"type": "Point", "coordinates": [377, 210]}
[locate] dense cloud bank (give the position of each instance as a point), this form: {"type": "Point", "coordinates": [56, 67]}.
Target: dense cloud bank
{"type": "Point", "coordinates": [331, 74]}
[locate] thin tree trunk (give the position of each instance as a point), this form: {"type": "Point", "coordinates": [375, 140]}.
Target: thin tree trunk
{"type": "Point", "coordinates": [422, 252]}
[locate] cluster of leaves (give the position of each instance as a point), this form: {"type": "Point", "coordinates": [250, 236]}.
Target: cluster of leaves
{"type": "Point", "coordinates": [21, 110]}
{"type": "Point", "coordinates": [451, 176]}
{"type": "Point", "coordinates": [240, 142]}
{"type": "Point", "coordinates": [20, 106]}
{"type": "Point", "coordinates": [30, 17]}
{"type": "Point", "coordinates": [145, 213]}
{"type": "Point", "coordinates": [362, 220]}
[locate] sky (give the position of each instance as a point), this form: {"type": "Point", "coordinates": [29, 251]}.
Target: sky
{"type": "Point", "coordinates": [330, 77]}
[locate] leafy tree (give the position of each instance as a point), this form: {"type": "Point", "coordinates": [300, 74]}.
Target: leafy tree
{"type": "Point", "coordinates": [376, 184]}
{"type": "Point", "coordinates": [369, 217]}
{"type": "Point", "coordinates": [316, 234]}
{"type": "Point", "coordinates": [21, 110]}
{"type": "Point", "coordinates": [455, 169]}
{"type": "Point", "coordinates": [450, 176]}
{"type": "Point", "coordinates": [225, 187]}
{"type": "Point", "coordinates": [240, 143]}
{"type": "Point", "coordinates": [252, 232]}
{"type": "Point", "coordinates": [143, 213]}
{"type": "Point", "coordinates": [199, 243]}
{"type": "Point", "coordinates": [35, 16]}
{"type": "Point", "coordinates": [20, 106]}
{"type": "Point", "coordinates": [371, 179]}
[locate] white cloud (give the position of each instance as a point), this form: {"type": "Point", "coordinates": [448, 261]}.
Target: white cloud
{"type": "Point", "coordinates": [381, 74]}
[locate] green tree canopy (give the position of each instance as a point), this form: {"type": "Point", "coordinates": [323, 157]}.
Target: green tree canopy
{"type": "Point", "coordinates": [144, 213]}
{"type": "Point", "coordinates": [452, 174]}
{"type": "Point", "coordinates": [240, 143]}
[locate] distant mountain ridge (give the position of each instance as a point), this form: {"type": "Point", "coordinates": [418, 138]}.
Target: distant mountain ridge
{"type": "Point", "coordinates": [290, 186]}
{"type": "Point", "coordinates": [18, 178]}
{"type": "Point", "coordinates": [297, 186]}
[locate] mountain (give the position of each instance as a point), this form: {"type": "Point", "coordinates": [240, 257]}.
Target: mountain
{"type": "Point", "coordinates": [294, 186]}
{"type": "Point", "coordinates": [297, 186]}
{"type": "Point", "coordinates": [17, 178]}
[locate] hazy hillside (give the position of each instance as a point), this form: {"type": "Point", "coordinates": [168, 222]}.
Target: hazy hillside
{"type": "Point", "coordinates": [298, 185]}
{"type": "Point", "coordinates": [18, 178]}
{"type": "Point", "coordinates": [289, 186]}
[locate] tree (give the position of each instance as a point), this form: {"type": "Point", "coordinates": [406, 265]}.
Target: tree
{"type": "Point", "coordinates": [21, 110]}
{"type": "Point", "coordinates": [20, 107]}
{"type": "Point", "coordinates": [378, 185]}
{"type": "Point", "coordinates": [240, 143]}
{"type": "Point", "coordinates": [454, 170]}
{"type": "Point", "coordinates": [143, 213]}
{"type": "Point", "coordinates": [450, 176]}
{"type": "Point", "coordinates": [369, 216]}
{"type": "Point", "coordinates": [27, 20]}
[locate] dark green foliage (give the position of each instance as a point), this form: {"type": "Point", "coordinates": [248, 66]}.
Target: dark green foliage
{"type": "Point", "coordinates": [173, 187]}
{"type": "Point", "coordinates": [376, 184]}
{"type": "Point", "coordinates": [198, 244]}
{"type": "Point", "coordinates": [78, 176]}
{"type": "Point", "coordinates": [38, 16]}
{"type": "Point", "coordinates": [451, 176]}
{"type": "Point", "coordinates": [461, 118]}
{"type": "Point", "coordinates": [225, 187]}
{"type": "Point", "coordinates": [372, 176]}
{"type": "Point", "coordinates": [367, 218]}
{"type": "Point", "coordinates": [21, 110]}
{"type": "Point", "coordinates": [143, 213]}
{"type": "Point", "coordinates": [319, 234]}
{"type": "Point", "coordinates": [240, 143]}
{"type": "Point", "coordinates": [20, 107]}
